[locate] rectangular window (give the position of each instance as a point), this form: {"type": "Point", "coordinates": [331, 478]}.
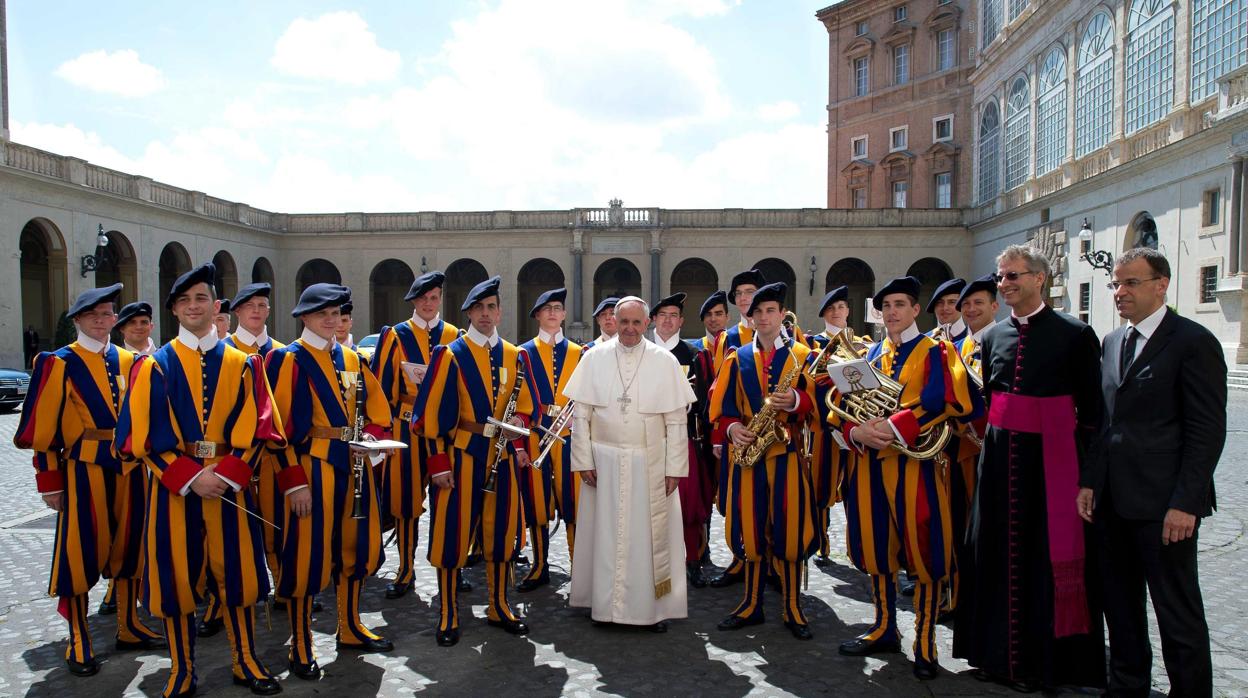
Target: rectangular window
{"type": "Point", "coordinates": [1213, 207]}
{"type": "Point", "coordinates": [860, 197]}
{"type": "Point", "coordinates": [899, 13]}
{"type": "Point", "coordinates": [901, 64]}
{"type": "Point", "coordinates": [860, 29]}
{"type": "Point", "coordinates": [1209, 284]}
{"type": "Point", "coordinates": [944, 190]}
{"type": "Point", "coordinates": [1219, 42]}
{"type": "Point", "coordinates": [942, 128]}
{"type": "Point", "coordinates": [946, 49]}
{"type": "Point", "coordinates": [862, 70]}
{"type": "Point", "coordinates": [899, 194]}
{"type": "Point", "coordinates": [858, 148]}
{"type": "Point", "coordinates": [898, 138]}
{"type": "Point", "coordinates": [1085, 301]}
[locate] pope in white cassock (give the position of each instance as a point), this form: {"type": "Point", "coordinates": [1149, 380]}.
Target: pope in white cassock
{"type": "Point", "coordinates": [630, 446]}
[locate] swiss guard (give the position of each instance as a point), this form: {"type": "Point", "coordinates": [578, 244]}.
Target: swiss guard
{"type": "Point", "coordinates": [472, 405]}
{"type": "Point", "coordinates": [198, 414]}
{"type": "Point", "coordinates": [134, 324]}
{"type": "Point", "coordinates": [67, 419]}
{"type": "Point", "coordinates": [944, 305]}
{"type": "Point", "coordinates": [604, 316]}
{"type": "Point", "coordinates": [402, 359]}
{"type": "Point", "coordinates": [714, 317]}
{"type": "Point", "coordinates": [332, 531]}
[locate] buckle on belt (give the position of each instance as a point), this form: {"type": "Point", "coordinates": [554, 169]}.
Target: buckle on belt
{"type": "Point", "coordinates": [348, 434]}
{"type": "Point", "coordinates": [489, 431]}
{"type": "Point", "coordinates": [204, 449]}
{"type": "Point", "coordinates": [406, 415]}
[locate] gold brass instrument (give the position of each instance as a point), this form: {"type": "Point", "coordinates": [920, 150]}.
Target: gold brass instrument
{"type": "Point", "coordinates": [841, 344]}
{"type": "Point", "coordinates": [790, 325]}
{"type": "Point", "coordinates": [551, 434]}
{"type": "Point", "coordinates": [501, 430]}
{"type": "Point", "coordinates": [940, 334]}
{"type": "Point", "coordinates": [974, 369]}
{"type": "Point", "coordinates": [358, 456]}
{"type": "Point", "coordinates": [862, 406]}
{"type": "Point", "coordinates": [767, 429]}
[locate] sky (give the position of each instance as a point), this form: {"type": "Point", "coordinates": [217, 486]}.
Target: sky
{"type": "Point", "coordinates": [308, 106]}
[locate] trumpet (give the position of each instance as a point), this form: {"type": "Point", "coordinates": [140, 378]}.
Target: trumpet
{"type": "Point", "coordinates": [865, 405]}
{"type": "Point", "coordinates": [503, 427]}
{"type": "Point", "coordinates": [553, 434]}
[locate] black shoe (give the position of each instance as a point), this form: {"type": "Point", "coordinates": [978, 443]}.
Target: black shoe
{"type": "Point", "coordinates": [533, 583]}
{"type": "Point", "coordinates": [187, 693]}
{"type": "Point", "coordinates": [463, 585]}
{"type": "Point", "coordinates": [267, 686]}
{"type": "Point", "coordinates": [694, 572]}
{"type": "Point", "coordinates": [735, 622]}
{"type": "Point", "coordinates": [861, 647]}
{"type": "Point", "coordinates": [368, 646]}
{"type": "Point", "coordinates": [208, 628]}
{"type": "Point", "coordinates": [515, 627]}
{"type": "Point", "coordinates": [316, 605]}
{"type": "Point", "coordinates": [143, 643]}
{"type": "Point", "coordinates": [279, 604]}
{"type": "Point", "coordinates": [394, 590]}
{"type": "Point", "coordinates": [107, 608]}
{"type": "Point", "coordinates": [660, 627]}
{"type": "Point", "coordinates": [599, 623]}
{"type": "Point", "coordinates": [726, 579]}
{"type": "Point", "coordinates": [823, 561]}
{"type": "Point", "coordinates": [474, 560]}
{"type": "Point", "coordinates": [1024, 686]}
{"type": "Point", "coordinates": [522, 559]}
{"type": "Point", "coordinates": [800, 631]}
{"type": "Point", "coordinates": [926, 671]}
{"type": "Point", "coordinates": [906, 584]}
{"type": "Point", "coordinates": [307, 672]}
{"type": "Point", "coordinates": [91, 667]}
{"type": "Point", "coordinates": [448, 638]}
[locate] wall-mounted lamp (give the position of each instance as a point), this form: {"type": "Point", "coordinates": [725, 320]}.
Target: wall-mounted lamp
{"type": "Point", "coordinates": [814, 267]}
{"type": "Point", "coordinates": [1099, 259]}
{"type": "Point", "coordinates": [424, 264]}
{"type": "Point", "coordinates": [91, 262]}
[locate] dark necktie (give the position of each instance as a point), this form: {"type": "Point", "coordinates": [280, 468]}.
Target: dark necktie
{"type": "Point", "coordinates": [1128, 351]}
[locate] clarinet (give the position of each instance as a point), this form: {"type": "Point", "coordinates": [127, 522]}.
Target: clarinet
{"type": "Point", "coordinates": [357, 458]}
{"type": "Point", "coordinates": [500, 440]}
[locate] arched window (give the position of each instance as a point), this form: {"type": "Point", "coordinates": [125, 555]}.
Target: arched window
{"type": "Point", "coordinates": [1018, 133]}
{"type": "Point", "coordinates": [992, 21]}
{"type": "Point", "coordinates": [1051, 113]}
{"type": "Point", "coordinates": [1150, 62]}
{"type": "Point", "coordinates": [1094, 85]}
{"type": "Point", "coordinates": [989, 147]}
{"type": "Point", "coordinates": [1219, 42]}
{"type": "Point", "coordinates": [1017, 7]}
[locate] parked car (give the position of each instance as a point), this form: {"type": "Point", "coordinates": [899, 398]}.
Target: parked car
{"type": "Point", "coordinates": [367, 346]}
{"type": "Point", "coordinates": [13, 387]}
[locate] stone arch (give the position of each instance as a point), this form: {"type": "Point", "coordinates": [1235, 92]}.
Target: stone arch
{"type": "Point", "coordinates": [226, 278]}
{"type": "Point", "coordinates": [616, 277]}
{"type": "Point", "coordinates": [858, 276]}
{"type": "Point", "coordinates": [316, 271]}
{"type": "Point", "coordinates": [461, 276]}
{"type": "Point", "coordinates": [174, 262]}
{"type": "Point", "coordinates": [931, 272]}
{"type": "Point", "coordinates": [262, 272]}
{"type": "Point", "coordinates": [387, 284]}
{"type": "Point", "coordinates": [535, 278]}
{"type": "Point", "coordinates": [774, 270]}
{"type": "Point", "coordinates": [1142, 232]}
{"type": "Point", "coordinates": [44, 284]}
{"type": "Point", "coordinates": [120, 265]}
{"type": "Point", "coordinates": [698, 278]}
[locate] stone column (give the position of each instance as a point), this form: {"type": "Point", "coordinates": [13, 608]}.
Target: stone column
{"type": "Point", "coordinates": [1235, 259]}
{"type": "Point", "coordinates": [578, 284]}
{"type": "Point", "coordinates": [656, 252]}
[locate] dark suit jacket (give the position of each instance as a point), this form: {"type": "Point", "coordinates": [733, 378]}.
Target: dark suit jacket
{"type": "Point", "coordinates": [1165, 422]}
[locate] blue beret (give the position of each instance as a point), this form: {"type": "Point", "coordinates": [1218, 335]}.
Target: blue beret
{"type": "Point", "coordinates": [424, 284]}
{"type": "Point", "coordinates": [347, 308]}
{"type": "Point", "coordinates": [840, 293]}
{"type": "Point", "coordinates": [130, 311]}
{"type": "Point", "coordinates": [607, 303]}
{"type": "Point", "coordinates": [716, 298]}
{"type": "Point", "coordinates": [92, 297]}
{"type": "Point", "coordinates": [202, 274]}
{"type": "Point", "coordinates": [554, 295]}
{"type": "Point", "coordinates": [988, 283]}
{"type": "Point", "coordinates": [250, 291]}
{"type": "Point", "coordinates": [676, 299]}
{"type": "Point", "coordinates": [753, 277]}
{"type": "Point", "coordinates": [902, 284]}
{"type": "Point", "coordinates": [953, 286]}
{"type": "Point", "coordinates": [481, 291]}
{"type": "Point", "coordinates": [225, 306]}
{"type": "Point", "coordinates": [770, 292]}
{"type": "Point", "coordinates": [320, 296]}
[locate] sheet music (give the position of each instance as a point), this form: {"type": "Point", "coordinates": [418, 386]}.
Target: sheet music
{"type": "Point", "coordinates": [415, 372]}
{"type": "Point", "coordinates": [853, 376]}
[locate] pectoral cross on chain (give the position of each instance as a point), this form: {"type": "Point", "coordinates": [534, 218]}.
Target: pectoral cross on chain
{"type": "Point", "coordinates": [624, 401]}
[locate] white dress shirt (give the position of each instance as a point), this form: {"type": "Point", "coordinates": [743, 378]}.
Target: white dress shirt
{"type": "Point", "coordinates": [92, 345]}
{"type": "Point", "coordinates": [190, 341]}
{"type": "Point", "coordinates": [481, 340]}
{"type": "Point", "coordinates": [1147, 328]}
{"type": "Point", "coordinates": [419, 322]}
{"type": "Point", "coordinates": [547, 338]}
{"type": "Point", "coordinates": [255, 340]}
{"type": "Point", "coordinates": [315, 340]}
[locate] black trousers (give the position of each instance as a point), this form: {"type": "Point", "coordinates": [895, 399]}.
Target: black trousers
{"type": "Point", "coordinates": [1133, 561]}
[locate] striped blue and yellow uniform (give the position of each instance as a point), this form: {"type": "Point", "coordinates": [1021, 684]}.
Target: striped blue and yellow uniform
{"type": "Point", "coordinates": [770, 505]}
{"type": "Point", "coordinates": [897, 508]}
{"type": "Point", "coordinates": [553, 488]}
{"type": "Point", "coordinates": [467, 383]}
{"type": "Point", "coordinates": [315, 391]}
{"type": "Point", "coordinates": [219, 399]}
{"type": "Point", "coordinates": [407, 471]}
{"type": "Point", "coordinates": [68, 420]}
{"type": "Point", "coordinates": [828, 461]}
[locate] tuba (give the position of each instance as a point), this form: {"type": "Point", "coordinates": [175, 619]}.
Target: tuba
{"type": "Point", "coordinates": [863, 406]}
{"type": "Point", "coordinates": [842, 345]}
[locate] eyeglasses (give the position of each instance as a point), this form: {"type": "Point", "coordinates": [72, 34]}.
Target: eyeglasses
{"type": "Point", "coordinates": [1129, 283]}
{"type": "Point", "coordinates": [1012, 275]}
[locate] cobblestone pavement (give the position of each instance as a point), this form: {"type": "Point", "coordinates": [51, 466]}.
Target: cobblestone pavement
{"type": "Point", "coordinates": [564, 655]}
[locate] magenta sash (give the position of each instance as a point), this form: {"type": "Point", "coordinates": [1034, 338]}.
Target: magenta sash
{"type": "Point", "coordinates": [1054, 419]}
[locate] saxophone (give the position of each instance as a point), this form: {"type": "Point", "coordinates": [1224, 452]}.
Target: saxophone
{"type": "Point", "coordinates": [500, 437]}
{"type": "Point", "coordinates": [764, 424]}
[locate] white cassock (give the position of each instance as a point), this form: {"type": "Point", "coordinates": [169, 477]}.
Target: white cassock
{"type": "Point", "coordinates": [629, 425]}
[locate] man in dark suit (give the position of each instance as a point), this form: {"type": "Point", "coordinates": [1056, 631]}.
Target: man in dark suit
{"type": "Point", "coordinates": [1151, 478]}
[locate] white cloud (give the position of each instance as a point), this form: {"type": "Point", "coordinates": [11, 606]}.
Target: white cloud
{"type": "Point", "coordinates": [338, 47]}
{"type": "Point", "coordinates": [68, 139]}
{"type": "Point", "coordinates": [120, 73]}
{"type": "Point", "coordinates": [783, 110]}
